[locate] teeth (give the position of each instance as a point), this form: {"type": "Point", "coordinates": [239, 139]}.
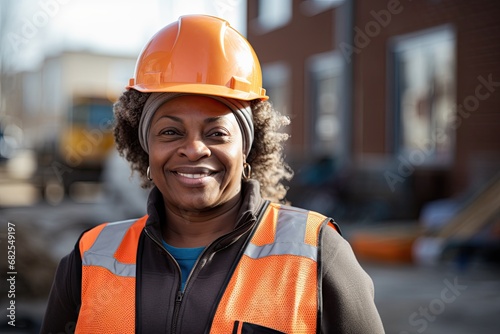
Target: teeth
{"type": "Point", "coordinates": [193, 176]}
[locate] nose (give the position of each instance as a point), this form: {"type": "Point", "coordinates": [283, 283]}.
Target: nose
{"type": "Point", "coordinates": [194, 149]}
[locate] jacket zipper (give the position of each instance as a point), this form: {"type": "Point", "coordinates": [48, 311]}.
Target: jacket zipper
{"type": "Point", "coordinates": [180, 294]}
{"type": "Point", "coordinates": [177, 307]}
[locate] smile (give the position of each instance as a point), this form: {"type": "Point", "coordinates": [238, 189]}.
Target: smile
{"type": "Point", "coordinates": [193, 176]}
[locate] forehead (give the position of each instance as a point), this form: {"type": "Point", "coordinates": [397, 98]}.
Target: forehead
{"type": "Point", "coordinates": [193, 106]}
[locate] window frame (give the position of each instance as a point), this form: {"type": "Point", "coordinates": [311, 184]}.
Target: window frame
{"type": "Point", "coordinates": [418, 41]}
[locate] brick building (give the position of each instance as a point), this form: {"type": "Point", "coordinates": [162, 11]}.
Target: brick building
{"type": "Point", "coordinates": [393, 103]}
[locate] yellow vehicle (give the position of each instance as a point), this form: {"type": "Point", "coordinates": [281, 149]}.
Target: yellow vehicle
{"type": "Point", "coordinates": [87, 140]}
{"type": "Point", "coordinates": [79, 151]}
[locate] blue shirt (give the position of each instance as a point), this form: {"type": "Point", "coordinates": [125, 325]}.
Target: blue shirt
{"type": "Point", "coordinates": [185, 257]}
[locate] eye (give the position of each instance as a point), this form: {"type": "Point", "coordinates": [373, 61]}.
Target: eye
{"type": "Point", "coordinates": [220, 133]}
{"type": "Point", "coordinates": [169, 132]}
{"type": "Point", "coordinates": [217, 134]}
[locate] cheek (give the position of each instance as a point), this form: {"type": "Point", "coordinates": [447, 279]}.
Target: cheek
{"type": "Point", "coordinates": [157, 156]}
{"type": "Point", "coordinates": [232, 160]}
{"type": "Point", "coordinates": [235, 156]}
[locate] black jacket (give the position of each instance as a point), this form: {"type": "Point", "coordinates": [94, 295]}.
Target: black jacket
{"type": "Point", "coordinates": [347, 291]}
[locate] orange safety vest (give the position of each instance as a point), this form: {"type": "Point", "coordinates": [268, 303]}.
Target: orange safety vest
{"type": "Point", "coordinates": [274, 285]}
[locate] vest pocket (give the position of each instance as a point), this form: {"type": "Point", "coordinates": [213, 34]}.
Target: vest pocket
{"type": "Point", "coordinates": [248, 328]}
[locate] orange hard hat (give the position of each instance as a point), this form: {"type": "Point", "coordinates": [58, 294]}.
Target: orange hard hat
{"type": "Point", "coordinates": [199, 54]}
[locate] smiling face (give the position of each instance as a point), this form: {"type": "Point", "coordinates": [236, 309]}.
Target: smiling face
{"type": "Point", "coordinates": [195, 153]}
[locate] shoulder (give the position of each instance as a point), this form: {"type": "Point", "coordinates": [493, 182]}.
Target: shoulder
{"type": "Point", "coordinates": [293, 211]}
{"type": "Point", "coordinates": [313, 217]}
{"type": "Point", "coordinates": [116, 230]}
{"type": "Point", "coordinates": [347, 289]}
{"type": "Point", "coordinates": [334, 247]}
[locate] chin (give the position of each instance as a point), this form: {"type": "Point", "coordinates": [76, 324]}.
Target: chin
{"type": "Point", "coordinates": [197, 204]}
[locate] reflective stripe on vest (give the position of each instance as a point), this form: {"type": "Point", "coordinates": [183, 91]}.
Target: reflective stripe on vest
{"type": "Point", "coordinates": [275, 284]}
{"type": "Point", "coordinates": [289, 240]}
{"type": "Point", "coordinates": [108, 277]}
{"type": "Point", "coordinates": [107, 243]}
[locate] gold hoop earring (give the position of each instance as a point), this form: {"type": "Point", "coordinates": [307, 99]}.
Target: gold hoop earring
{"type": "Point", "coordinates": [148, 174]}
{"type": "Point", "coordinates": [247, 171]}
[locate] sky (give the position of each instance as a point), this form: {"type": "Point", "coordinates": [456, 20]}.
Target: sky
{"type": "Point", "coordinates": [40, 28]}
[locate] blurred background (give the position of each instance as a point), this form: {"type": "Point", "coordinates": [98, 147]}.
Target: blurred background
{"type": "Point", "coordinates": [395, 109]}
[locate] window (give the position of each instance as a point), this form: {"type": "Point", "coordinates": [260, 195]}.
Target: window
{"type": "Point", "coordinates": [93, 113]}
{"type": "Point", "coordinates": [273, 14]}
{"type": "Point", "coordinates": [276, 79]}
{"type": "Point", "coordinates": [325, 105]}
{"type": "Point", "coordinates": [313, 7]}
{"type": "Point", "coordinates": [424, 95]}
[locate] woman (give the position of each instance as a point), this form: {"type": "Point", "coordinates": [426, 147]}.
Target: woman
{"type": "Point", "coordinates": [216, 253]}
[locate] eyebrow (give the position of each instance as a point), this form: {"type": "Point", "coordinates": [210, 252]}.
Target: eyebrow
{"type": "Point", "coordinates": [206, 121]}
{"type": "Point", "coordinates": [213, 119]}
{"type": "Point", "coordinates": [173, 118]}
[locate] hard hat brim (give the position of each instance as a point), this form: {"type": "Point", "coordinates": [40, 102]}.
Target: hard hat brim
{"type": "Point", "coordinates": [204, 89]}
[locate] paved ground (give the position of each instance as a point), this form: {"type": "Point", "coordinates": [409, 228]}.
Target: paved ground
{"type": "Point", "coordinates": [437, 300]}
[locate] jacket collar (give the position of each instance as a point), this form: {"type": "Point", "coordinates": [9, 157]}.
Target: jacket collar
{"type": "Point", "coordinates": [251, 204]}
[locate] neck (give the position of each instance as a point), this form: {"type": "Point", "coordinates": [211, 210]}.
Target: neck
{"type": "Point", "coordinates": [186, 228]}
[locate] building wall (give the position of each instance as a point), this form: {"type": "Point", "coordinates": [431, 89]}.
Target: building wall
{"type": "Point", "coordinates": [477, 28]}
{"type": "Point", "coordinates": [50, 90]}
{"type": "Point", "coordinates": [363, 32]}
{"type": "Point", "coordinates": [304, 36]}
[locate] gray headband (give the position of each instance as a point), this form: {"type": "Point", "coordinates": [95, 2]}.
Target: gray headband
{"type": "Point", "coordinates": [241, 110]}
